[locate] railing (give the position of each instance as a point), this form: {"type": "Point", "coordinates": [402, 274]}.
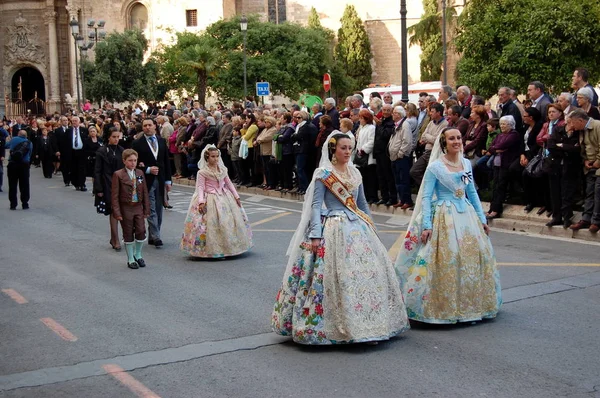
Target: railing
{"type": "Point", "coordinates": [15, 106]}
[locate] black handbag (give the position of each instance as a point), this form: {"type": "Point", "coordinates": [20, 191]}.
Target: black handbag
{"type": "Point", "coordinates": [361, 161]}
{"type": "Point", "coordinates": [535, 168]}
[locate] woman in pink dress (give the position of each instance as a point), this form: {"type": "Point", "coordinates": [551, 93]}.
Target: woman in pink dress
{"type": "Point", "coordinates": [216, 224]}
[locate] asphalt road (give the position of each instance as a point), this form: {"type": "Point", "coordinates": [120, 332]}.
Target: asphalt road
{"type": "Point", "coordinates": [75, 322]}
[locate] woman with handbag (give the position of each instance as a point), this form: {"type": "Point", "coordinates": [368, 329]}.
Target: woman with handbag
{"type": "Point", "coordinates": [91, 145]}
{"type": "Point", "coordinates": [535, 186]}
{"type": "Point", "coordinates": [363, 159]}
{"type": "Point", "coordinates": [109, 159]}
{"type": "Point", "coordinates": [564, 168]}
{"type": "Point", "coordinates": [556, 120]}
{"type": "Point", "coordinates": [474, 140]}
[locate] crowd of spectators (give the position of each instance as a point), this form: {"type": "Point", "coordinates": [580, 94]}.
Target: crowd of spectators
{"type": "Point", "coordinates": [543, 150]}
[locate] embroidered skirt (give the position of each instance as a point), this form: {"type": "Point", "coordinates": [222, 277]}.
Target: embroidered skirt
{"type": "Point", "coordinates": [221, 232]}
{"type": "Point", "coordinates": [453, 278]}
{"type": "Point", "coordinates": [347, 293]}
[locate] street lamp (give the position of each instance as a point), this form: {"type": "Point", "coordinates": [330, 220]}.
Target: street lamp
{"type": "Point", "coordinates": [403, 41]}
{"type": "Point", "coordinates": [83, 49]}
{"type": "Point", "coordinates": [95, 35]}
{"type": "Point", "coordinates": [77, 41]}
{"type": "Point", "coordinates": [244, 28]}
{"type": "Point", "coordinates": [445, 63]}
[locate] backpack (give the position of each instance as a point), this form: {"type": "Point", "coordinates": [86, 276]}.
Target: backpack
{"type": "Point", "coordinates": [17, 154]}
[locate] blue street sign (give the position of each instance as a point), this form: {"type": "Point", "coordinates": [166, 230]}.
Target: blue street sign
{"type": "Point", "coordinates": [263, 88]}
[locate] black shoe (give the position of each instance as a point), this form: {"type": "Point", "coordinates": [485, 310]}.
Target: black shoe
{"type": "Point", "coordinates": [83, 189]}
{"type": "Point", "coordinates": [25, 206]}
{"type": "Point", "coordinates": [528, 208]}
{"type": "Point", "coordinates": [150, 241]}
{"type": "Point", "coordinates": [133, 265]}
{"type": "Point", "coordinates": [541, 211]}
{"type": "Point", "coordinates": [552, 223]}
{"type": "Point", "coordinates": [13, 208]}
{"type": "Point", "coordinates": [158, 243]}
{"type": "Point", "coordinates": [567, 223]}
{"type": "Point", "coordinates": [381, 202]}
{"type": "Point", "coordinates": [140, 262]}
{"type": "Point", "coordinates": [389, 203]}
{"type": "Point", "coordinates": [77, 188]}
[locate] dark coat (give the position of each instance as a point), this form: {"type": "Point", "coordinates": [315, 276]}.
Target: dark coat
{"type": "Point", "coordinates": [534, 148]}
{"type": "Point", "coordinates": [477, 137]}
{"type": "Point", "coordinates": [335, 117]}
{"type": "Point", "coordinates": [564, 149]}
{"type": "Point", "coordinates": [383, 133]}
{"type": "Point", "coordinates": [304, 140]}
{"type": "Point", "coordinates": [511, 109]}
{"type": "Point", "coordinates": [285, 139]}
{"type": "Point", "coordinates": [122, 191]}
{"type": "Point", "coordinates": [509, 144]}
{"type": "Point", "coordinates": [65, 142]}
{"type": "Point", "coordinates": [108, 160]}
{"type": "Point", "coordinates": [146, 158]}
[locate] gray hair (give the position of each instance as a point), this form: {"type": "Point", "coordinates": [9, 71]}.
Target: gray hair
{"type": "Point", "coordinates": [357, 97]}
{"type": "Point", "coordinates": [204, 114]}
{"type": "Point", "coordinates": [431, 99]}
{"type": "Point", "coordinates": [508, 119]}
{"type": "Point", "coordinates": [387, 106]}
{"type": "Point", "coordinates": [539, 85]}
{"type": "Point", "coordinates": [196, 113]}
{"type": "Point", "coordinates": [377, 102]}
{"type": "Point", "coordinates": [211, 120]}
{"type": "Point", "coordinates": [464, 89]}
{"type": "Point", "coordinates": [319, 106]}
{"type": "Point", "coordinates": [508, 90]}
{"type": "Point", "coordinates": [567, 96]}
{"type": "Point", "coordinates": [355, 111]}
{"type": "Point", "coordinates": [330, 101]}
{"type": "Point", "coordinates": [586, 92]}
{"type": "Point", "coordinates": [447, 89]}
{"type": "Point", "coordinates": [303, 115]}
{"type": "Point", "coordinates": [217, 115]}
{"type": "Point", "coordinates": [579, 113]}
{"type": "Point", "coordinates": [400, 110]}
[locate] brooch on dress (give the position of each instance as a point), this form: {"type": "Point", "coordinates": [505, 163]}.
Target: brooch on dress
{"type": "Point", "coordinates": [459, 193]}
{"type": "Point", "coordinates": [467, 177]}
{"type": "Point", "coordinates": [140, 179]}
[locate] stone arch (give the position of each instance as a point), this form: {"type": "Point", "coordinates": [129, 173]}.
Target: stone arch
{"type": "Point", "coordinates": [138, 14]}
{"type": "Point", "coordinates": [37, 81]}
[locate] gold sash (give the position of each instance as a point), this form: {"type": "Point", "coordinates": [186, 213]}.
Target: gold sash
{"type": "Point", "coordinates": [340, 191]}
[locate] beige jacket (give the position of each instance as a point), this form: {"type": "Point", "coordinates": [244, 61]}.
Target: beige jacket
{"type": "Point", "coordinates": [432, 132]}
{"type": "Point", "coordinates": [265, 140]}
{"type": "Point", "coordinates": [400, 144]}
{"type": "Point", "coordinates": [590, 143]}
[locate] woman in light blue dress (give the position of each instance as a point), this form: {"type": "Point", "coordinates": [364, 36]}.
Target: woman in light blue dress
{"type": "Point", "coordinates": [446, 265]}
{"type": "Point", "coordinates": [339, 285]}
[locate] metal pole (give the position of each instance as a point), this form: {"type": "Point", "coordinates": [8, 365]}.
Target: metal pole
{"type": "Point", "coordinates": [404, 51]}
{"type": "Point", "coordinates": [245, 76]}
{"type": "Point", "coordinates": [82, 79]}
{"type": "Point", "coordinates": [77, 74]}
{"type": "Point", "coordinates": [445, 63]}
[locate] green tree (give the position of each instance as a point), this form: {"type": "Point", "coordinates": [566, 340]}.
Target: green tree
{"type": "Point", "coordinates": [201, 60]}
{"type": "Point", "coordinates": [314, 21]}
{"type": "Point", "coordinates": [427, 34]}
{"type": "Point", "coordinates": [118, 73]}
{"type": "Point", "coordinates": [290, 57]}
{"type": "Point", "coordinates": [514, 42]}
{"type": "Point", "coordinates": [353, 49]}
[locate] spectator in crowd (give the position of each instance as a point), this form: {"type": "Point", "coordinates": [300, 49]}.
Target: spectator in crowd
{"type": "Point", "coordinates": [400, 150]}
{"type": "Point", "coordinates": [265, 142]}
{"type": "Point", "coordinates": [387, 98]}
{"type": "Point", "coordinates": [540, 100]}
{"type": "Point", "coordinates": [564, 158]}
{"type": "Point", "coordinates": [304, 146]}
{"type": "Point", "coordinates": [423, 117]}
{"type": "Point", "coordinates": [515, 99]}
{"type": "Point", "coordinates": [457, 121]}
{"type": "Point", "coordinates": [332, 112]}
{"type": "Point", "coordinates": [445, 94]}
{"type": "Point", "coordinates": [476, 136]}
{"type": "Point", "coordinates": [375, 105]}
{"type": "Point", "coordinates": [490, 112]}
{"type": "Point", "coordinates": [364, 159]}
{"type": "Point", "coordinates": [178, 155]}
{"type": "Point", "coordinates": [325, 128]}
{"type": "Point", "coordinates": [506, 149]}
{"type": "Point", "coordinates": [166, 128]}
{"type": "Point", "coordinates": [225, 136]}
{"type": "Point", "coordinates": [483, 170]}
{"type": "Point", "coordinates": [317, 111]}
{"type": "Point", "coordinates": [249, 133]}
{"type": "Point", "coordinates": [565, 100]}
{"type": "Point", "coordinates": [346, 126]}
{"type": "Point", "coordinates": [535, 189]}
{"type": "Point", "coordinates": [73, 156]}
{"type": "Point", "coordinates": [589, 139]}
{"type": "Point", "coordinates": [287, 151]}
{"type": "Point", "coordinates": [463, 94]}
{"type": "Point", "coordinates": [383, 133]}
{"type": "Point", "coordinates": [234, 151]}
{"type": "Point", "coordinates": [580, 80]}
{"type": "Point", "coordinates": [585, 96]}
{"type": "Point", "coordinates": [427, 139]}
{"type": "Point", "coordinates": [411, 118]}
{"type": "Point", "coordinates": [91, 145]}
{"type": "Point", "coordinates": [20, 150]}
{"type": "Point", "coordinates": [45, 153]}
{"type": "Point", "coordinates": [355, 117]}
{"type": "Point", "coordinates": [509, 108]}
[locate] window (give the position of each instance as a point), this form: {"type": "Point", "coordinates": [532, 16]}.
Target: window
{"type": "Point", "coordinates": [191, 18]}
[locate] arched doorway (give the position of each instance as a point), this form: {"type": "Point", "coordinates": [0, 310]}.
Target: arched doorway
{"type": "Point", "coordinates": [28, 89]}
{"type": "Point", "coordinates": [138, 17]}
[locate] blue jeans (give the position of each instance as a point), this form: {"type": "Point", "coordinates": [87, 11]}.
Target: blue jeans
{"type": "Point", "coordinates": [301, 170]}
{"type": "Point", "coordinates": [156, 209]}
{"type": "Point", "coordinates": [401, 169]}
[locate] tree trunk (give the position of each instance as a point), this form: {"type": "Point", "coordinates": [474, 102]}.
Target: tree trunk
{"type": "Point", "coordinates": [201, 87]}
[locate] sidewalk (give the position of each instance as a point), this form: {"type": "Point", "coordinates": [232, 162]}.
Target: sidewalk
{"type": "Point", "coordinates": [513, 217]}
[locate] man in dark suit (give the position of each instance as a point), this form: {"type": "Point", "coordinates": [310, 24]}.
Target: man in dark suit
{"type": "Point", "coordinates": [153, 160]}
{"type": "Point", "coordinates": [508, 107]}
{"type": "Point", "coordinates": [332, 112]}
{"type": "Point", "coordinates": [57, 137]}
{"type": "Point", "coordinates": [73, 159]}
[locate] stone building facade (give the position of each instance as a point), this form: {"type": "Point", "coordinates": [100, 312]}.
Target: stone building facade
{"type": "Point", "coordinates": [38, 53]}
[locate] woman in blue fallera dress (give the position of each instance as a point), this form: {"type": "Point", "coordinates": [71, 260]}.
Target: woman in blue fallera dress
{"type": "Point", "coordinates": [339, 285]}
{"type": "Point", "coordinates": [446, 265]}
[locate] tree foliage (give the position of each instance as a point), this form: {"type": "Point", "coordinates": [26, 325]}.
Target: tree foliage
{"type": "Point", "coordinates": [314, 21]}
{"type": "Point", "coordinates": [290, 57]}
{"type": "Point", "coordinates": [510, 43]}
{"type": "Point", "coordinates": [427, 34]}
{"type": "Point", "coordinates": [353, 49]}
{"type": "Point", "coordinates": [118, 73]}
{"type": "Point", "coordinates": [201, 60]}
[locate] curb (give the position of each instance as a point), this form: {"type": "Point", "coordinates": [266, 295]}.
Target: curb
{"type": "Point", "coordinates": [513, 216]}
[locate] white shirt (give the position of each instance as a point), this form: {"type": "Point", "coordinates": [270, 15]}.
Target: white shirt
{"type": "Point", "coordinates": [79, 145]}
